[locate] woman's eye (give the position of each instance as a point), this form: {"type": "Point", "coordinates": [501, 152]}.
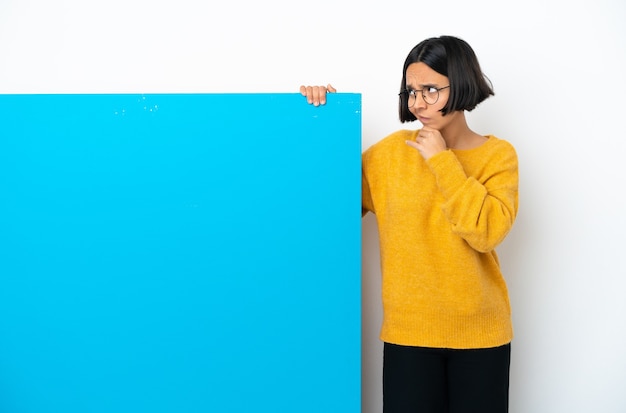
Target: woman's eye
{"type": "Point", "coordinates": [431, 89]}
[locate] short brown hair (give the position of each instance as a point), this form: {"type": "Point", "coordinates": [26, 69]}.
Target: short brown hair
{"type": "Point", "coordinates": [455, 59]}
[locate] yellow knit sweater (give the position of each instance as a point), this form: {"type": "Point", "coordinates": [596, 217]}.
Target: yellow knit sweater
{"type": "Point", "coordinates": [439, 222]}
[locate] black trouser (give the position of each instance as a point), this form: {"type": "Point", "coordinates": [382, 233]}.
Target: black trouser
{"type": "Point", "coordinates": [430, 380]}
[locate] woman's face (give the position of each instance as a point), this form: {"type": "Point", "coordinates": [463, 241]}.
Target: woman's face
{"type": "Point", "coordinates": [419, 76]}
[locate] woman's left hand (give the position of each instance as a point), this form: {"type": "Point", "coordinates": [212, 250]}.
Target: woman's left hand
{"type": "Point", "coordinates": [428, 142]}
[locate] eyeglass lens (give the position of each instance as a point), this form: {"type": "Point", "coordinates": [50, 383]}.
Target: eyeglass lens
{"type": "Point", "coordinates": [430, 95]}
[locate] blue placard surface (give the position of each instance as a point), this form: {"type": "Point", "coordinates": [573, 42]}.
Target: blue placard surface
{"type": "Point", "coordinates": [179, 253]}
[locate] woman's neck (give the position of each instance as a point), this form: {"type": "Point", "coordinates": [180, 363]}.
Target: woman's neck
{"type": "Point", "coordinates": [458, 135]}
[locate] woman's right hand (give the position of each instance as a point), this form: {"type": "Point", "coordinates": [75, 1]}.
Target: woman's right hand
{"type": "Point", "coordinates": [316, 95]}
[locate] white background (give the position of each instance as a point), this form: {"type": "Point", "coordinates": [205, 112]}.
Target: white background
{"type": "Point", "coordinates": [559, 72]}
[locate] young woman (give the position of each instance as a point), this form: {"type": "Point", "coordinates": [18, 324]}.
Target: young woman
{"type": "Point", "coordinates": [444, 197]}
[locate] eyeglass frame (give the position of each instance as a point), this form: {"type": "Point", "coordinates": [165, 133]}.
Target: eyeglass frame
{"type": "Point", "coordinates": [407, 92]}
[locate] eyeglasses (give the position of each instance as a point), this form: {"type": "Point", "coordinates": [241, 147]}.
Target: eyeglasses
{"type": "Point", "coordinates": [429, 93]}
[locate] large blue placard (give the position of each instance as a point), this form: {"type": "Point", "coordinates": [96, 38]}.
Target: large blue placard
{"type": "Point", "coordinates": [179, 253]}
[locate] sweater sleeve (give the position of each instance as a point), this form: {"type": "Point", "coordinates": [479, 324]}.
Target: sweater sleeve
{"type": "Point", "coordinates": [481, 209]}
{"type": "Point", "coordinates": [366, 196]}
